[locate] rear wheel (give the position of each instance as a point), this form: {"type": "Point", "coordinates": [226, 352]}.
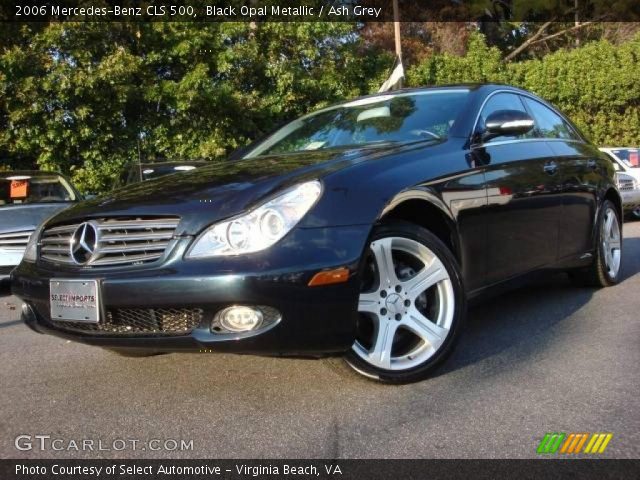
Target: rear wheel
{"type": "Point", "coordinates": [411, 305]}
{"type": "Point", "coordinates": [635, 213]}
{"type": "Point", "coordinates": [605, 269]}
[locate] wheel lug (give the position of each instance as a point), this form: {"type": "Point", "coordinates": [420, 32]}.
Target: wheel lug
{"type": "Point", "coordinates": [407, 303]}
{"type": "Point", "coordinates": [398, 317]}
{"type": "Point", "coordinates": [398, 288]}
{"type": "Point", "coordinates": [383, 311]}
{"type": "Point", "coordinates": [383, 293]}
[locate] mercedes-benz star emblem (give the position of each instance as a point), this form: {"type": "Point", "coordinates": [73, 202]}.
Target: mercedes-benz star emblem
{"type": "Point", "coordinates": [83, 243]}
{"type": "Point", "coordinates": [394, 303]}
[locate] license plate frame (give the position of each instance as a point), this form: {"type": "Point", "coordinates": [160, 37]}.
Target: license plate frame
{"type": "Point", "coordinates": [74, 300]}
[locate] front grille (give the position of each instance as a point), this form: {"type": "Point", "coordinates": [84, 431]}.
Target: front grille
{"type": "Point", "coordinates": [625, 185]}
{"type": "Point", "coordinates": [130, 241]}
{"type": "Point", "coordinates": [15, 240]}
{"type": "Point", "coordinates": [140, 321]}
{"type": "Point", "coordinates": [626, 182]}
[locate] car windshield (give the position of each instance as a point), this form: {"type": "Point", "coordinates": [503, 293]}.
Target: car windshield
{"type": "Point", "coordinates": [18, 188]}
{"type": "Point", "coordinates": [390, 118]}
{"type": "Point", "coordinates": [630, 156]}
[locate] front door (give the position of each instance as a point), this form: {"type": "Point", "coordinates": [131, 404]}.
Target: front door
{"type": "Point", "coordinates": [581, 167]}
{"type": "Point", "coordinates": [524, 188]}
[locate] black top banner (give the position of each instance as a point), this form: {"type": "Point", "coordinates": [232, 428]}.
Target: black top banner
{"type": "Point", "coordinates": [316, 10]}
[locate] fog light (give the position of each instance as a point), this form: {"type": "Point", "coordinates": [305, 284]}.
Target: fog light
{"type": "Point", "coordinates": [239, 319]}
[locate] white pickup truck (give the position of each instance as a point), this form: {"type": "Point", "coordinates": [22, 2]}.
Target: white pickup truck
{"type": "Point", "coordinates": [626, 161]}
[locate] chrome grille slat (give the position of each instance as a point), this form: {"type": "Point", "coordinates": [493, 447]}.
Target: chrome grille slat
{"type": "Point", "coordinates": [129, 259]}
{"type": "Point", "coordinates": [116, 225]}
{"type": "Point", "coordinates": [111, 237]}
{"type": "Point", "coordinates": [54, 241]}
{"type": "Point", "coordinates": [48, 249]}
{"type": "Point", "coordinates": [62, 229]}
{"type": "Point", "coordinates": [58, 259]}
{"type": "Point", "coordinates": [132, 248]}
{"type": "Point", "coordinates": [15, 240]}
{"type": "Point", "coordinates": [121, 242]}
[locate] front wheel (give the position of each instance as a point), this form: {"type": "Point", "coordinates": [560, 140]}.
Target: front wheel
{"type": "Point", "coordinates": [411, 305]}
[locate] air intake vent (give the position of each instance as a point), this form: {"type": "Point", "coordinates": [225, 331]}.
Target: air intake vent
{"type": "Point", "coordinates": [108, 242]}
{"type": "Point", "coordinates": [140, 321]}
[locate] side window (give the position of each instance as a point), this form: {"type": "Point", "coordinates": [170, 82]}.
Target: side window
{"type": "Point", "coordinates": [548, 122]}
{"type": "Point", "coordinates": [502, 101]}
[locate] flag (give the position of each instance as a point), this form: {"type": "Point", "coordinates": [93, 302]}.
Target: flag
{"type": "Point", "coordinates": [395, 79]}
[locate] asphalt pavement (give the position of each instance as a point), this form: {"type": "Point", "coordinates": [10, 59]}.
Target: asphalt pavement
{"type": "Point", "coordinates": [546, 358]}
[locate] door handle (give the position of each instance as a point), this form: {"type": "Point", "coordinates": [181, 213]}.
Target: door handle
{"type": "Point", "coordinates": [550, 168]}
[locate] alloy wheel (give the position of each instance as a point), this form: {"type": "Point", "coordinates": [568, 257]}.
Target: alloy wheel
{"type": "Point", "coordinates": [406, 306]}
{"type": "Point", "coordinates": [611, 242]}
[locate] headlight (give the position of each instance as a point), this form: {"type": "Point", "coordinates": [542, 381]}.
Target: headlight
{"type": "Point", "coordinates": [31, 250]}
{"type": "Point", "coordinates": [260, 228]}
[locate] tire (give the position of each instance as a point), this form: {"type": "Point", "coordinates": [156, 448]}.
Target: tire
{"type": "Point", "coordinates": [635, 213]}
{"type": "Point", "coordinates": [397, 342]}
{"type": "Point", "coordinates": [606, 266]}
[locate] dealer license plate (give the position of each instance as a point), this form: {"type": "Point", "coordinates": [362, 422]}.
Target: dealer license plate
{"type": "Point", "coordinates": [74, 300]}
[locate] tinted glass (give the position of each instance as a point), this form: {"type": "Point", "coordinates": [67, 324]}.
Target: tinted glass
{"type": "Point", "coordinates": [393, 118]}
{"type": "Point", "coordinates": [502, 101]}
{"type": "Point", "coordinates": [630, 156]}
{"type": "Point", "coordinates": [18, 188]}
{"type": "Point", "coordinates": [549, 123]}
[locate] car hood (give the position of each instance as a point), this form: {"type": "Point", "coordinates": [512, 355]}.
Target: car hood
{"type": "Point", "coordinates": [212, 193]}
{"type": "Point", "coordinates": [18, 218]}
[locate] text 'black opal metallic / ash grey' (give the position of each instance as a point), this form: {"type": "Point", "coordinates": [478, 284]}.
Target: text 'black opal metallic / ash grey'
{"type": "Point", "coordinates": [362, 229]}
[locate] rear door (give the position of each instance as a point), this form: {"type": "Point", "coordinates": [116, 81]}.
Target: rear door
{"type": "Point", "coordinates": [524, 197]}
{"type": "Point", "coordinates": [581, 166]}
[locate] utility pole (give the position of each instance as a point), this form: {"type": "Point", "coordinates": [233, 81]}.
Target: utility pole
{"type": "Point", "coordinates": [576, 17]}
{"type": "Point", "coordinates": [396, 78]}
{"type": "Point", "coordinates": [396, 30]}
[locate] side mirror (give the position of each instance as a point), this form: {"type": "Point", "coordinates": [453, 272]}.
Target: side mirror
{"type": "Point", "coordinates": [508, 123]}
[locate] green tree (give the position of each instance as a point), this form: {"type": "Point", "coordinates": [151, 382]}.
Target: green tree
{"type": "Point", "coordinates": [595, 85]}
{"type": "Point", "coordinates": [86, 98]}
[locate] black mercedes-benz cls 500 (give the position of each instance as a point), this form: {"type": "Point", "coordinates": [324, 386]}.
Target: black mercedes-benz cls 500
{"type": "Point", "coordinates": [361, 229]}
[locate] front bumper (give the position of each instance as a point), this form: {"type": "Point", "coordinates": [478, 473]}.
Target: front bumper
{"type": "Point", "coordinates": [630, 199]}
{"type": "Point", "coordinates": [314, 320]}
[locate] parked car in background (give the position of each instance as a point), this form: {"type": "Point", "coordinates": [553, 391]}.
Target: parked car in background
{"type": "Point", "coordinates": [140, 172]}
{"type": "Point", "coordinates": [626, 162]}
{"type": "Point", "coordinates": [361, 229]}
{"type": "Point", "coordinates": [26, 199]}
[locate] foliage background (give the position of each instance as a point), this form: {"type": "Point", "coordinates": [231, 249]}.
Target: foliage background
{"type": "Point", "coordinates": [86, 98]}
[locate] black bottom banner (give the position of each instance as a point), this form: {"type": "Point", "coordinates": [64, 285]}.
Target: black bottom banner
{"type": "Point", "coordinates": [12, 469]}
